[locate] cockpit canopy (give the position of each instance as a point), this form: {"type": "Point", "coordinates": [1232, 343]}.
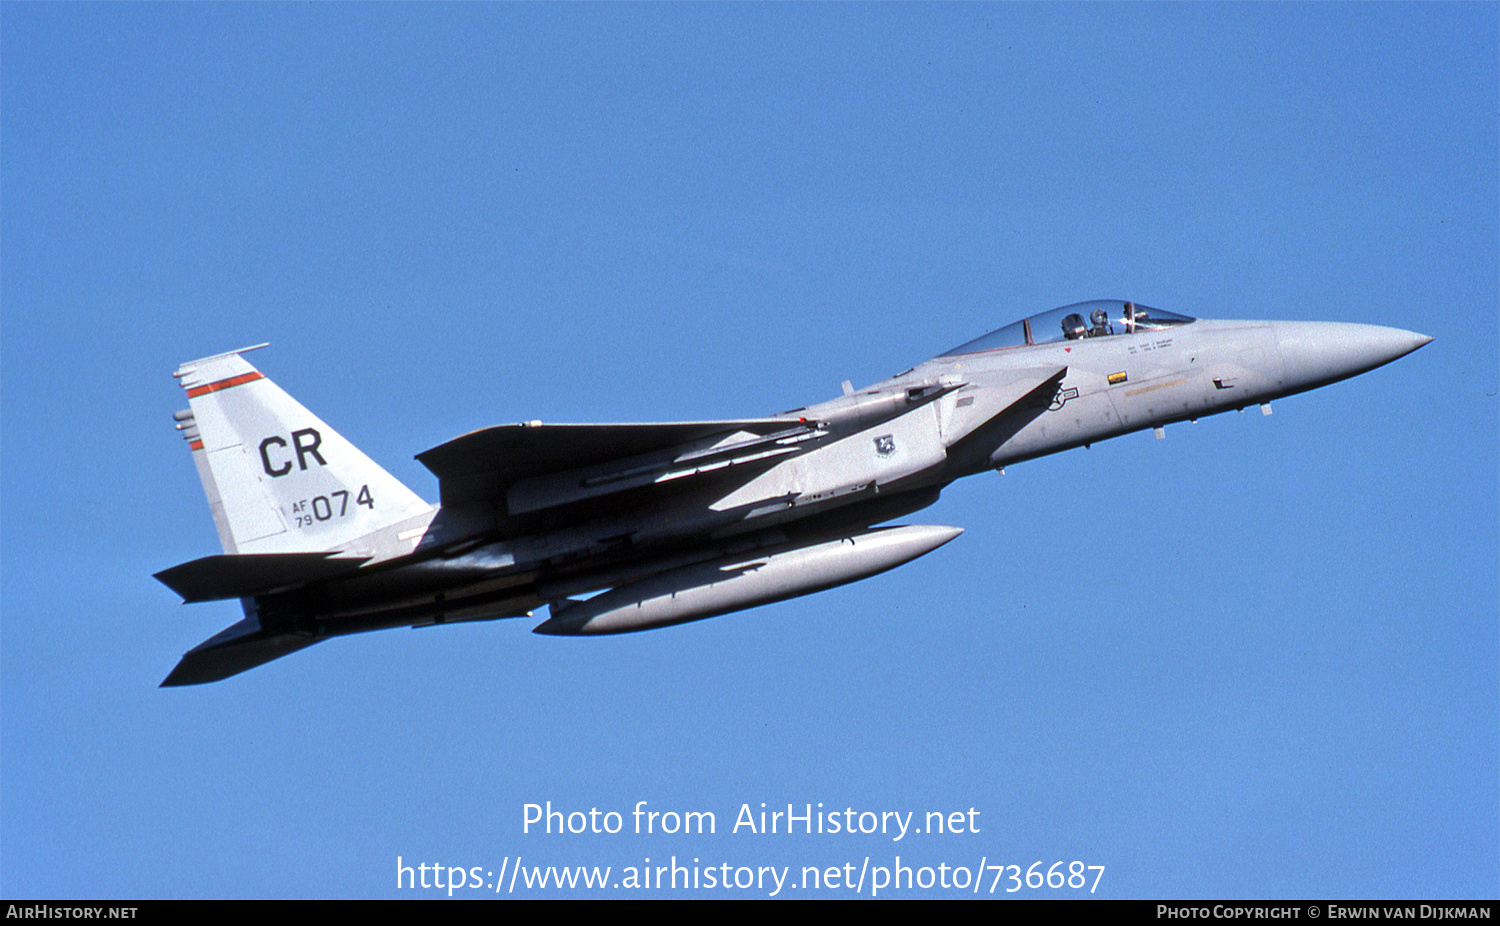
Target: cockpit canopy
{"type": "Point", "coordinates": [1098, 319]}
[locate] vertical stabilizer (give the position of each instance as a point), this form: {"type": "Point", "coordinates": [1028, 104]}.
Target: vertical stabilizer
{"type": "Point", "coordinates": [278, 479]}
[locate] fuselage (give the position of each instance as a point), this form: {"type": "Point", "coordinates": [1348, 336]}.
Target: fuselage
{"type": "Point", "coordinates": [1123, 383]}
{"type": "Point", "coordinates": [679, 521]}
{"type": "Point", "coordinates": [873, 455]}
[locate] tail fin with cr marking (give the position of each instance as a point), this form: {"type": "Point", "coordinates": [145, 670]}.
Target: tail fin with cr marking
{"type": "Point", "coordinates": [278, 479]}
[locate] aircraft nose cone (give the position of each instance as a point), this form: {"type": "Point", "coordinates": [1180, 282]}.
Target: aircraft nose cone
{"type": "Point", "coordinates": [1317, 353]}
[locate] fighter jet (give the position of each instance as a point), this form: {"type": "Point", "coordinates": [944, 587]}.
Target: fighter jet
{"type": "Point", "coordinates": [680, 521]}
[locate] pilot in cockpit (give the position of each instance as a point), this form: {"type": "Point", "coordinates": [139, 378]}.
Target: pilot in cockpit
{"type": "Point", "coordinates": [1100, 320]}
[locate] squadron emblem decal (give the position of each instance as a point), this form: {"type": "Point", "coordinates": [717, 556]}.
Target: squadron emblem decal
{"type": "Point", "coordinates": [885, 445]}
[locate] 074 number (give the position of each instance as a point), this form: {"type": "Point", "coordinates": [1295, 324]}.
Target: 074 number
{"type": "Point", "coordinates": [310, 511]}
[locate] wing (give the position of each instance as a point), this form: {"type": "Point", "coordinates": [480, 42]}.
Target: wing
{"type": "Point", "coordinates": [598, 458]}
{"type": "Point", "coordinates": [531, 466]}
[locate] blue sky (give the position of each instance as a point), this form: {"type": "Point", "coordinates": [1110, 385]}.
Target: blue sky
{"type": "Point", "coordinates": [1270, 670]}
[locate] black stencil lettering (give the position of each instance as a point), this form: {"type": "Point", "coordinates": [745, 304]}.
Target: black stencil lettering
{"type": "Point", "coordinates": [265, 457]}
{"type": "Point", "coordinates": [309, 447]}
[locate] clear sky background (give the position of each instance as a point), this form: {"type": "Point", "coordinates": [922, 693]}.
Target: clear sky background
{"type": "Point", "coordinates": [1256, 659]}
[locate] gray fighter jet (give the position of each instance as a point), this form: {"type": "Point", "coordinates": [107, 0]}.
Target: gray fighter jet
{"type": "Point", "coordinates": [686, 520]}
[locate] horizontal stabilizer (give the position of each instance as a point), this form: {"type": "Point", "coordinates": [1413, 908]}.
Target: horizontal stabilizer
{"type": "Point", "coordinates": [240, 647]}
{"type": "Point", "coordinates": [213, 578]}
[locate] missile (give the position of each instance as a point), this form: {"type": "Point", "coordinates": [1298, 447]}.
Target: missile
{"type": "Point", "coordinates": [744, 581]}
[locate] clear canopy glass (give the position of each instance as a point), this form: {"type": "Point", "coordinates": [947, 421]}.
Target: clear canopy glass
{"type": "Point", "coordinates": [1098, 319]}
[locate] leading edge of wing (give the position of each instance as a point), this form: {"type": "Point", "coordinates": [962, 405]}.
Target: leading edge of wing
{"type": "Point", "coordinates": [479, 462]}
